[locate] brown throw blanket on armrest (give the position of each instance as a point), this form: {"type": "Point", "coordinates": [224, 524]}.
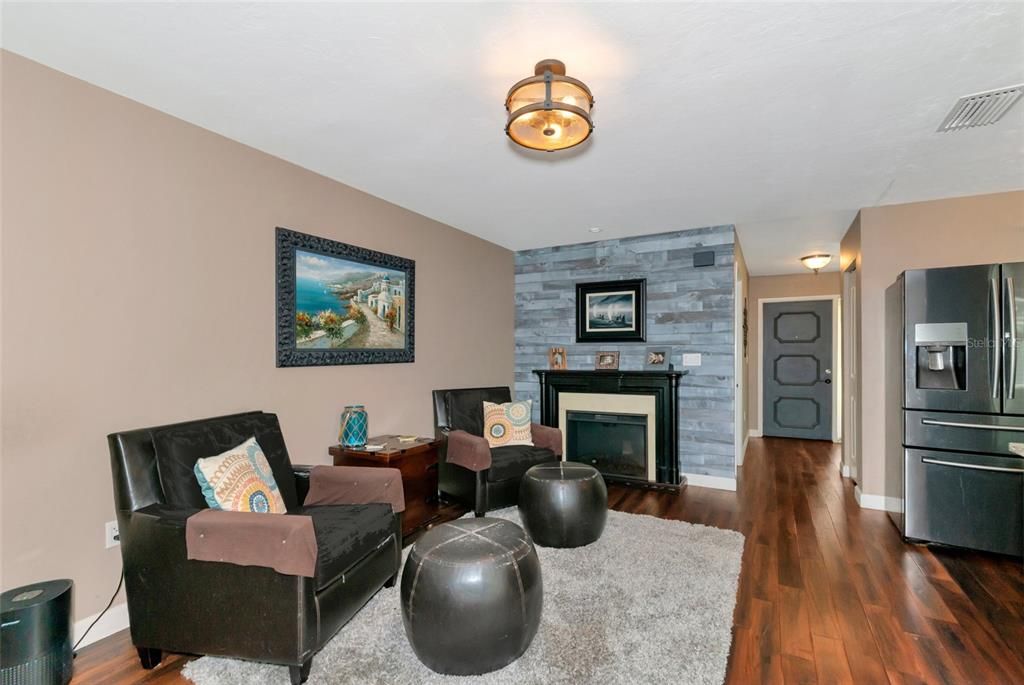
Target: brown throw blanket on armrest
{"type": "Point", "coordinates": [469, 451]}
{"type": "Point", "coordinates": [282, 542]}
{"type": "Point", "coordinates": [547, 437]}
{"type": "Point", "coordinates": [355, 485]}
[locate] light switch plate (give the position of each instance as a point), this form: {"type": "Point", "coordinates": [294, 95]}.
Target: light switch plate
{"type": "Point", "coordinates": [691, 358]}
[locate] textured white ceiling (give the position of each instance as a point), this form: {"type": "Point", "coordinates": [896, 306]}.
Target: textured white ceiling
{"type": "Point", "coordinates": [780, 118]}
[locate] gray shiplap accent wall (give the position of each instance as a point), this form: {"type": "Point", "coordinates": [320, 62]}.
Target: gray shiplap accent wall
{"type": "Point", "coordinates": [688, 308]}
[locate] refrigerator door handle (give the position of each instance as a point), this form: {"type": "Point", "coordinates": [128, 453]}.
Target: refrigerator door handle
{"type": "Point", "coordinates": [1011, 336]}
{"type": "Point", "coordinates": [979, 426]}
{"type": "Point", "coordinates": [997, 338]}
{"type": "Point", "coordinates": [973, 467]}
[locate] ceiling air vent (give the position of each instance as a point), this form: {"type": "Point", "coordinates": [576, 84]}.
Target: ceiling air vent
{"type": "Point", "coordinates": [981, 109]}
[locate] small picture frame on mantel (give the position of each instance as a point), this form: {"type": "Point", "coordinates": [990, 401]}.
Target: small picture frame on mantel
{"type": "Point", "coordinates": [606, 361]}
{"type": "Point", "coordinates": [658, 359]}
{"type": "Point", "coordinates": [556, 359]}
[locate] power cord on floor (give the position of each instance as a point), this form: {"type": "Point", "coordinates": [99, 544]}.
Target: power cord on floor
{"type": "Point", "coordinates": [120, 582]}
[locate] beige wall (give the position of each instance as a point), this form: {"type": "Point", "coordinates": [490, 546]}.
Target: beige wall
{"type": "Point", "coordinates": [952, 232]}
{"type": "Point", "coordinates": [138, 288]}
{"type": "Point", "coordinates": [761, 287]}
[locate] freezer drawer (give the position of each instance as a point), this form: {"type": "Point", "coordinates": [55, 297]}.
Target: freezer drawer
{"type": "Point", "coordinates": [988, 433]}
{"type": "Point", "coordinates": [967, 500]}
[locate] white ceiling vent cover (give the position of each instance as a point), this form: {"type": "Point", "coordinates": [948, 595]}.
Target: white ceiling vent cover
{"type": "Point", "coordinates": [981, 109]}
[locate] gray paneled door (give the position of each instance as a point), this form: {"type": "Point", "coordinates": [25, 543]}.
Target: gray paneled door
{"type": "Point", "coordinates": [797, 366]}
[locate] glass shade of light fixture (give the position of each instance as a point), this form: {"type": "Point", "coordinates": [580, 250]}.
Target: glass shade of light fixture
{"type": "Point", "coordinates": [549, 111]}
{"type": "Point", "coordinates": [815, 262]}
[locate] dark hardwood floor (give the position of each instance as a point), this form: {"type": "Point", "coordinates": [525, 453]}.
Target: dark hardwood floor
{"type": "Point", "coordinates": [828, 592]}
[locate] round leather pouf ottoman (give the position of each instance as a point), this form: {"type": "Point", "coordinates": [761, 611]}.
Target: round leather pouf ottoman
{"type": "Point", "coordinates": [563, 505]}
{"type": "Point", "coordinates": [471, 596]}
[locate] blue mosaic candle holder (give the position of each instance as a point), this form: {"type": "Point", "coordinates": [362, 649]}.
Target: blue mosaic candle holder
{"type": "Point", "coordinates": [355, 426]}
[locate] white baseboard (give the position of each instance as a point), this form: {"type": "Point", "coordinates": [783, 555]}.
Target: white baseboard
{"type": "Point", "coordinates": [879, 502]}
{"type": "Point", "coordinates": [716, 482]}
{"type": "Point", "coordinates": [846, 470]}
{"type": "Point", "coordinates": [113, 621]}
{"type": "Point", "coordinates": [754, 433]}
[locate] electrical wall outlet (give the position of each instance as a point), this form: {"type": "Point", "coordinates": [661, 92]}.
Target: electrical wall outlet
{"type": "Point", "coordinates": [112, 537]}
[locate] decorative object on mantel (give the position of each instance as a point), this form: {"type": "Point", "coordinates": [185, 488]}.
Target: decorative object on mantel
{"type": "Point", "coordinates": [606, 361]}
{"type": "Point", "coordinates": [549, 111]}
{"type": "Point", "coordinates": [342, 304]}
{"type": "Point", "coordinates": [557, 359]}
{"type": "Point", "coordinates": [611, 311]}
{"type": "Point", "coordinates": [685, 592]}
{"type": "Point", "coordinates": [354, 426]}
{"type": "Point", "coordinates": [658, 359]}
{"type": "Point", "coordinates": [816, 262]}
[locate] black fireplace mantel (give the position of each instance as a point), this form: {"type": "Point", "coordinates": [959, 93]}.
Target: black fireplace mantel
{"type": "Point", "coordinates": [663, 385]}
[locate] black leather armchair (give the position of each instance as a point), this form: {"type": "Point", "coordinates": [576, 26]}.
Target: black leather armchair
{"type": "Point", "coordinates": [247, 612]}
{"type": "Point", "coordinates": [461, 409]}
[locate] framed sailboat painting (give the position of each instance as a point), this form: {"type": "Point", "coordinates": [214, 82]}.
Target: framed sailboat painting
{"type": "Point", "coordinates": [611, 311]}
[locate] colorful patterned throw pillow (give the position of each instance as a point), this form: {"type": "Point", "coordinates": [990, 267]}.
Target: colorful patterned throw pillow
{"type": "Point", "coordinates": [240, 480]}
{"type": "Point", "coordinates": [508, 424]}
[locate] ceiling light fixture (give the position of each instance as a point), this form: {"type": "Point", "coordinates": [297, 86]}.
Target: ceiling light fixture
{"type": "Point", "coordinates": [816, 262]}
{"type": "Point", "coordinates": [595, 229]}
{"type": "Point", "coordinates": [549, 111]}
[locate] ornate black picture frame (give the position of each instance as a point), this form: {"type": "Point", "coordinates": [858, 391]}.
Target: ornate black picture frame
{"type": "Point", "coordinates": [342, 304]}
{"type": "Point", "coordinates": [611, 311]}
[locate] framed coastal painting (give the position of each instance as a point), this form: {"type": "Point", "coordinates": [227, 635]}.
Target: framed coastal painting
{"type": "Point", "coordinates": [342, 304]}
{"type": "Point", "coordinates": [611, 311]}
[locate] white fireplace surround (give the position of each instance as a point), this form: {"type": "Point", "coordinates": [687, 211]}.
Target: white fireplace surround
{"type": "Point", "coordinates": [637, 405]}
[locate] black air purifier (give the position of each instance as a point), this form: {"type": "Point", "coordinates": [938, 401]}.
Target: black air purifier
{"type": "Point", "coordinates": [35, 634]}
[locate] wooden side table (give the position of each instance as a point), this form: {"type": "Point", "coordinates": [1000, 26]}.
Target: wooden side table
{"type": "Point", "coordinates": [417, 460]}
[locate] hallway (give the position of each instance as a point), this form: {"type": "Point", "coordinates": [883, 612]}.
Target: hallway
{"type": "Point", "coordinates": [828, 592]}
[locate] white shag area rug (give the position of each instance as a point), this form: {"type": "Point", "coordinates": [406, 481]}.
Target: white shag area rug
{"type": "Point", "coordinates": [650, 602]}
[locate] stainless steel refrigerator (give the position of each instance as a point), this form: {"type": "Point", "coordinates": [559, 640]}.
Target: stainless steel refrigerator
{"type": "Point", "coordinates": [955, 406]}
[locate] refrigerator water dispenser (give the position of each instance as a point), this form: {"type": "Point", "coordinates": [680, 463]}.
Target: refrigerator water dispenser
{"type": "Point", "coordinates": [941, 355]}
